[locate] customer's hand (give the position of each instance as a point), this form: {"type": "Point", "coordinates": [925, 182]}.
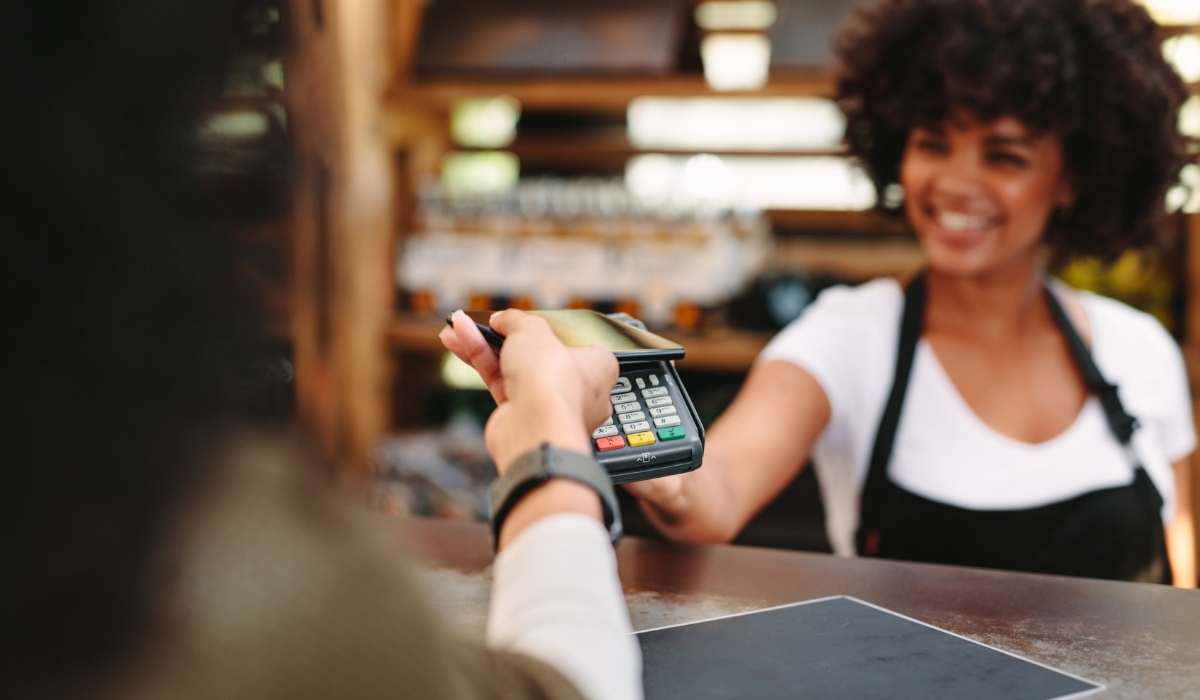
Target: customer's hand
{"type": "Point", "coordinates": [544, 391]}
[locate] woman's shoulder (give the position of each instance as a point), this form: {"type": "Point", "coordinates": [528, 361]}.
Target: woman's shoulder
{"type": "Point", "coordinates": [873, 300]}
{"type": "Point", "coordinates": [1126, 332]}
{"type": "Point", "coordinates": [843, 319]}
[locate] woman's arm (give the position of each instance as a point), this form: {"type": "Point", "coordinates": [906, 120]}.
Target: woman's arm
{"type": "Point", "coordinates": [1181, 533]}
{"type": "Point", "coordinates": [753, 450]}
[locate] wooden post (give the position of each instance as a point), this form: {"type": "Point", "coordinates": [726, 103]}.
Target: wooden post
{"type": "Point", "coordinates": [406, 30]}
{"type": "Point", "coordinates": [1192, 352]}
{"type": "Point", "coordinates": [342, 222]}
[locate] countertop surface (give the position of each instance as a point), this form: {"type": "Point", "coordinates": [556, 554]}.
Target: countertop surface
{"type": "Point", "coordinates": [1140, 640]}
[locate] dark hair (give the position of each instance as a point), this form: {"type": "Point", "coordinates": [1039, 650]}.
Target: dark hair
{"type": "Point", "coordinates": [1090, 71]}
{"type": "Point", "coordinates": [133, 342]}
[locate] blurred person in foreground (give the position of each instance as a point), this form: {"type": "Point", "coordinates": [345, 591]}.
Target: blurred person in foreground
{"type": "Point", "coordinates": [165, 539]}
{"type": "Point", "coordinates": [981, 413]}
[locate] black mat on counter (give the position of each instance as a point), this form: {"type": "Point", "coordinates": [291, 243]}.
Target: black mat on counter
{"type": "Point", "coordinates": [837, 648]}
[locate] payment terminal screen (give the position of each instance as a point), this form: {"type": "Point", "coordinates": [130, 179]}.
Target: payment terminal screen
{"type": "Point", "coordinates": [579, 327]}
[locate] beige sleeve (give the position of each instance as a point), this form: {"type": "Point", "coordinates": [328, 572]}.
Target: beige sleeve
{"type": "Point", "coordinates": [280, 590]}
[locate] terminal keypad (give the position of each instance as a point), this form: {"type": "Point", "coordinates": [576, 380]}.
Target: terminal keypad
{"type": "Point", "coordinates": [644, 412]}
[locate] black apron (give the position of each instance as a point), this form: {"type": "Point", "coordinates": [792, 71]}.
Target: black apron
{"type": "Point", "coordinates": [1113, 533]}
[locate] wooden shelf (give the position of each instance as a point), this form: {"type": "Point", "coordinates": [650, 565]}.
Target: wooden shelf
{"type": "Point", "coordinates": [611, 152]}
{"type": "Point", "coordinates": [853, 260]}
{"type": "Point", "coordinates": [601, 94]}
{"type": "Point", "coordinates": [719, 350]}
{"type": "Point", "coordinates": [416, 333]}
{"type": "Point", "coordinates": [1177, 29]}
{"type": "Point", "coordinates": [722, 350]}
{"type": "Point", "coordinates": [835, 221]}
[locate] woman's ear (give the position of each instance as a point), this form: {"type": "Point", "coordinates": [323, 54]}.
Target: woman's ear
{"type": "Point", "coordinates": [1064, 197]}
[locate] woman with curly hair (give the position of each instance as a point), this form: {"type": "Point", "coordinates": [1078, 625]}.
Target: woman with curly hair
{"type": "Point", "coordinates": [980, 413]}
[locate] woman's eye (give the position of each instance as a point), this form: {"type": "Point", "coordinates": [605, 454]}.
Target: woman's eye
{"type": "Point", "coordinates": [930, 145]}
{"type": "Point", "coordinates": [1007, 158]}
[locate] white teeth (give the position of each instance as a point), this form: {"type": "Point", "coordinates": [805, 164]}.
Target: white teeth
{"type": "Point", "coordinates": [952, 221]}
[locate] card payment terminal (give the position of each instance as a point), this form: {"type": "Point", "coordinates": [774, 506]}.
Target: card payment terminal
{"type": "Point", "coordinates": [654, 429]}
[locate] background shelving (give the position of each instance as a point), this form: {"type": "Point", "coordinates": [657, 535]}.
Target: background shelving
{"type": "Point", "coordinates": [362, 165]}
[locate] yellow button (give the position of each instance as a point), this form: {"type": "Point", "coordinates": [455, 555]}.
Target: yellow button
{"type": "Point", "coordinates": [641, 439]}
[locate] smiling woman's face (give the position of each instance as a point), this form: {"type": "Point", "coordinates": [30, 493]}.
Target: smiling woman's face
{"type": "Point", "coordinates": [979, 194]}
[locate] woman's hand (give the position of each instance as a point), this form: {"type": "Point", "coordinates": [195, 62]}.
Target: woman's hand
{"type": "Point", "coordinates": [664, 495]}
{"type": "Point", "coordinates": [544, 391]}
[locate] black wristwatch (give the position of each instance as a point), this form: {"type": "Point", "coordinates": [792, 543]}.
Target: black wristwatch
{"type": "Point", "coordinates": [539, 465]}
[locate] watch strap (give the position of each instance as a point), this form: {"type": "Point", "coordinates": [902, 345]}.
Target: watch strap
{"type": "Point", "coordinates": [537, 466]}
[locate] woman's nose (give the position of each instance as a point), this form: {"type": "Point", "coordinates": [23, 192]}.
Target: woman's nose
{"type": "Point", "coordinates": [957, 179]}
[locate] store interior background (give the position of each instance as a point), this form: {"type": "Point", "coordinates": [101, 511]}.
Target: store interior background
{"type": "Point", "coordinates": [676, 160]}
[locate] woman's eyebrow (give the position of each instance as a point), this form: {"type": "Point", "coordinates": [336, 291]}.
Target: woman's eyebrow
{"type": "Point", "coordinates": [1009, 140]}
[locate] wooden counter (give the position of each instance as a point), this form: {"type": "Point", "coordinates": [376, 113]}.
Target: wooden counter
{"type": "Point", "coordinates": [1141, 640]}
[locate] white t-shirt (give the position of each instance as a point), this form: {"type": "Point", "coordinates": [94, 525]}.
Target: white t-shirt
{"type": "Point", "coordinates": [943, 451]}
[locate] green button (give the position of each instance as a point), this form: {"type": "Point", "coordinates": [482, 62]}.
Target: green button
{"type": "Point", "coordinates": [674, 433]}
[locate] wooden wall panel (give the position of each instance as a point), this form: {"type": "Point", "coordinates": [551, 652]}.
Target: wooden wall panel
{"type": "Point", "coordinates": [337, 75]}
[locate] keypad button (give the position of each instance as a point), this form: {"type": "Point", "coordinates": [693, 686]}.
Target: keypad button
{"type": "Point", "coordinates": [641, 383]}
{"type": "Point", "coordinates": [615, 442]}
{"type": "Point", "coordinates": [627, 407]}
{"type": "Point", "coordinates": [637, 427]}
{"type": "Point", "coordinates": [641, 439]}
{"type": "Point", "coordinates": [605, 431]}
{"type": "Point", "coordinates": [666, 421]}
{"type": "Point", "coordinates": [654, 380]}
{"type": "Point", "coordinates": [621, 386]}
{"type": "Point", "coordinates": [610, 421]}
{"type": "Point", "coordinates": [624, 398]}
{"type": "Point", "coordinates": [631, 417]}
{"type": "Point", "coordinates": [659, 401]}
{"type": "Point", "coordinates": [662, 411]}
{"type": "Point", "coordinates": [666, 434]}
{"type": "Point", "coordinates": [651, 393]}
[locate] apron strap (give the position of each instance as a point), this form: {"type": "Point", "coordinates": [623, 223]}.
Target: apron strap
{"type": "Point", "coordinates": [1120, 422]}
{"type": "Point", "coordinates": [912, 322]}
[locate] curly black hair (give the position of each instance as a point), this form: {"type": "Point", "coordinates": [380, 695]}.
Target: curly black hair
{"type": "Point", "coordinates": [1090, 71]}
{"type": "Point", "coordinates": [133, 343]}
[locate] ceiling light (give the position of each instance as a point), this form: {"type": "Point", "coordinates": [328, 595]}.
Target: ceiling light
{"type": "Point", "coordinates": [1186, 197]}
{"type": "Point", "coordinates": [491, 172]}
{"type": "Point", "coordinates": [1174, 11]}
{"type": "Point", "coordinates": [736, 61]}
{"type": "Point", "coordinates": [1183, 52]}
{"type": "Point", "coordinates": [758, 182]}
{"type": "Point", "coordinates": [457, 374]}
{"type": "Point", "coordinates": [735, 123]}
{"type": "Point", "coordinates": [1189, 118]}
{"type": "Point", "coordinates": [237, 124]}
{"type": "Point", "coordinates": [487, 122]}
{"type": "Point", "coordinates": [754, 15]}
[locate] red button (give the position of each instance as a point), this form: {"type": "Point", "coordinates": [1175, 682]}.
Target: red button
{"type": "Point", "coordinates": [605, 444]}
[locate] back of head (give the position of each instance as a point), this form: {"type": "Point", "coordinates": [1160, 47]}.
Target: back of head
{"type": "Point", "coordinates": [132, 344]}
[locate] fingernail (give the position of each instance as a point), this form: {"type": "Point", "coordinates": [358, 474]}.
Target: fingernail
{"type": "Point", "coordinates": [455, 314]}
